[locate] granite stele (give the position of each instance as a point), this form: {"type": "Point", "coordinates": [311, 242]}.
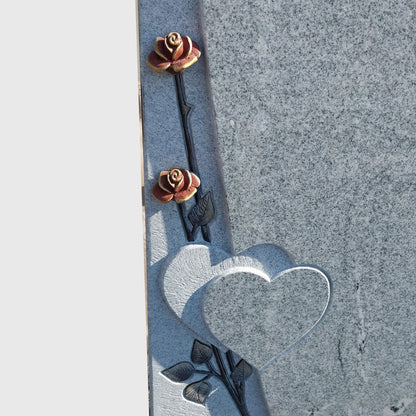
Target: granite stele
{"type": "Point", "coordinates": [280, 194]}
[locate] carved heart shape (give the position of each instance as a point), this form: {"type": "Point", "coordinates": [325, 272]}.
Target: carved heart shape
{"type": "Point", "coordinates": [261, 319]}
{"type": "Point", "coordinates": [284, 309]}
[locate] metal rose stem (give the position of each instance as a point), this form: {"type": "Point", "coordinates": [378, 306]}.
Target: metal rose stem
{"type": "Point", "coordinates": [181, 209]}
{"type": "Point", "coordinates": [239, 400]}
{"type": "Point", "coordinates": [185, 110]}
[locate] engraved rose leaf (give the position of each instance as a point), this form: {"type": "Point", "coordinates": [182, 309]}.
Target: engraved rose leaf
{"type": "Point", "coordinates": [179, 372]}
{"type": "Point", "coordinates": [197, 392]}
{"type": "Point", "coordinates": [201, 353]}
{"type": "Point", "coordinates": [242, 371]}
{"type": "Point", "coordinates": [203, 212]}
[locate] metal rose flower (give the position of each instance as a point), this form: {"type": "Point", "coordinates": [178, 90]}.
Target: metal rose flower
{"type": "Point", "coordinates": [173, 53]}
{"type": "Point", "coordinates": [177, 184]}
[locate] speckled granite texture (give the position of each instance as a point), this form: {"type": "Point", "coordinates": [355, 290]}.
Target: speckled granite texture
{"type": "Point", "coordinates": [261, 318]}
{"type": "Point", "coordinates": [315, 110]}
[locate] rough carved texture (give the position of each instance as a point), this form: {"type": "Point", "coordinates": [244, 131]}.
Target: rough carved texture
{"type": "Point", "coordinates": [188, 273]}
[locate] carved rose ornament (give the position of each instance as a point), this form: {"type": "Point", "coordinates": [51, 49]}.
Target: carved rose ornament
{"type": "Point", "coordinates": [177, 184]}
{"type": "Point", "coordinates": [173, 53]}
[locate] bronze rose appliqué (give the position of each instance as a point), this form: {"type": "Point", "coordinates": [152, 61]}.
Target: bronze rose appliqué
{"type": "Point", "coordinates": [173, 53]}
{"type": "Point", "coordinates": [177, 184]}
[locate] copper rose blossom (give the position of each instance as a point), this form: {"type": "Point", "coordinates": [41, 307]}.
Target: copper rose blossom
{"type": "Point", "coordinates": [177, 184]}
{"type": "Point", "coordinates": [173, 53]}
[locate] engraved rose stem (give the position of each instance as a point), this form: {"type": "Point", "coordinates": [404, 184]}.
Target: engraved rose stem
{"type": "Point", "coordinates": [185, 110]}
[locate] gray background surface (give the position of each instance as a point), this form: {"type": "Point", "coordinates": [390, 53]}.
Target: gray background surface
{"type": "Point", "coordinates": [315, 108]}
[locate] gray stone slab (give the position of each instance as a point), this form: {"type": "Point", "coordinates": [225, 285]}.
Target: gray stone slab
{"type": "Point", "coordinates": [315, 111]}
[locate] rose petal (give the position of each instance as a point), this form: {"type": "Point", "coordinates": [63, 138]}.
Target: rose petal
{"type": "Point", "coordinates": [164, 182]}
{"type": "Point", "coordinates": [156, 62]}
{"type": "Point", "coordinates": [187, 46]}
{"type": "Point", "coordinates": [161, 50]}
{"type": "Point", "coordinates": [187, 179]}
{"type": "Point", "coordinates": [167, 45]}
{"type": "Point", "coordinates": [161, 195]}
{"type": "Point", "coordinates": [177, 186]}
{"type": "Point", "coordinates": [180, 185]}
{"type": "Point", "coordinates": [179, 178]}
{"type": "Point", "coordinates": [178, 52]}
{"type": "Point", "coordinates": [180, 65]}
{"type": "Point", "coordinates": [196, 50]}
{"type": "Point", "coordinates": [184, 195]}
{"type": "Point", "coordinates": [195, 180]}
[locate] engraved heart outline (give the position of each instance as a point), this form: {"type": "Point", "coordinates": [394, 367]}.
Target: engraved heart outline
{"type": "Point", "coordinates": [186, 274]}
{"type": "Point", "coordinates": [270, 280]}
